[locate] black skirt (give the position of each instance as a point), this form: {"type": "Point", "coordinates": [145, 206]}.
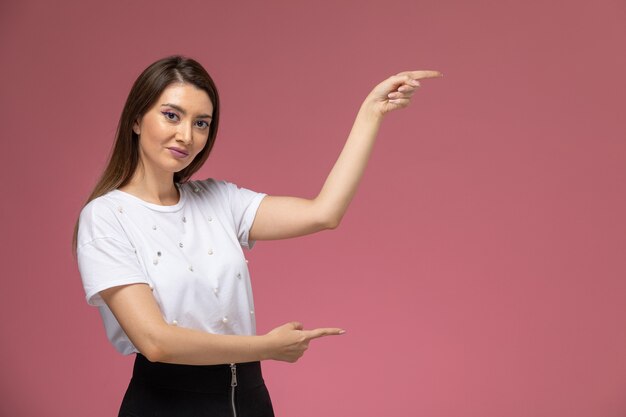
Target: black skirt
{"type": "Point", "coordinates": [170, 390]}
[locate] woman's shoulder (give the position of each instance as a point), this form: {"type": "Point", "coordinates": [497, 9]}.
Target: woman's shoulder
{"type": "Point", "coordinates": [205, 184]}
{"type": "Point", "coordinates": [212, 187]}
{"type": "Point", "coordinates": [102, 206]}
{"type": "Point", "coordinates": [99, 217]}
{"type": "Point", "coordinates": [212, 184]}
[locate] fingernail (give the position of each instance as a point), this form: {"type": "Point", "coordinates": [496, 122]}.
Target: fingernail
{"type": "Point", "coordinates": [342, 331]}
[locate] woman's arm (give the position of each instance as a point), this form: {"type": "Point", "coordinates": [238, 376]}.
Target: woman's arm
{"type": "Point", "coordinates": [285, 217]}
{"type": "Point", "coordinates": [138, 313]}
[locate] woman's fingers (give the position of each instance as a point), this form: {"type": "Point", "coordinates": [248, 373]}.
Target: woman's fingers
{"type": "Point", "coordinates": [411, 78]}
{"type": "Point", "coordinates": [289, 341]}
{"type": "Point", "coordinates": [396, 91]}
{"type": "Point", "coordinates": [401, 93]}
{"type": "Point", "coordinates": [321, 332]}
{"type": "Point", "coordinates": [400, 102]}
{"type": "Point", "coordinates": [421, 74]}
{"type": "Point", "coordinates": [404, 88]}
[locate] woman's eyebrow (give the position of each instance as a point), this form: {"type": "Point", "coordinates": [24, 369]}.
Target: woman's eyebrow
{"type": "Point", "coordinates": [180, 109]}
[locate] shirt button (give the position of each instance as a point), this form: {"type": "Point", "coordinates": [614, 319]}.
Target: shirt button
{"type": "Point", "coordinates": [195, 190]}
{"type": "Point", "coordinates": [120, 209]}
{"type": "Point", "coordinates": [159, 253]}
{"type": "Point", "coordinates": [191, 268]}
{"type": "Point", "coordinates": [155, 261]}
{"type": "Point", "coordinates": [210, 218]}
{"type": "Point", "coordinates": [210, 252]}
{"type": "Point", "coordinates": [151, 287]}
{"type": "Point", "coordinates": [184, 219]}
{"type": "Point", "coordinates": [154, 227]}
{"type": "Point", "coordinates": [239, 275]}
{"type": "Point", "coordinates": [251, 312]}
{"type": "Point", "coordinates": [224, 319]}
{"type": "Point", "coordinates": [174, 322]}
{"type": "Point", "coordinates": [180, 244]}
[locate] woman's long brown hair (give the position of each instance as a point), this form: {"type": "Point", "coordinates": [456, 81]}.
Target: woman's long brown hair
{"type": "Point", "coordinates": [145, 91]}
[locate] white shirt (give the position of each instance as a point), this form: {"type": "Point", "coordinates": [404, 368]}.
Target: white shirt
{"type": "Point", "coordinates": [190, 254]}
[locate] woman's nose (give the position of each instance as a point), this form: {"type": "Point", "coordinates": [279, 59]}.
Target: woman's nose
{"type": "Point", "coordinates": [185, 132]}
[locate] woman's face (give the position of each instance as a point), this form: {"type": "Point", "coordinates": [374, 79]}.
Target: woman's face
{"type": "Point", "coordinates": [175, 129]}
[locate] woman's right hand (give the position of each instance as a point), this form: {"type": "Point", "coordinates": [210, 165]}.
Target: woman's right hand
{"type": "Point", "coordinates": [288, 342]}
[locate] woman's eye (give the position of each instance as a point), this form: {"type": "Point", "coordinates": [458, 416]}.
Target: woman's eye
{"type": "Point", "coordinates": [169, 115]}
{"type": "Point", "coordinates": [203, 124]}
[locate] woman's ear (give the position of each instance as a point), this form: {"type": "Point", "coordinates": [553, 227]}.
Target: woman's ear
{"type": "Point", "coordinates": [136, 128]}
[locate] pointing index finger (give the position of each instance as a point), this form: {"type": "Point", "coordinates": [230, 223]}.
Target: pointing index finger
{"type": "Point", "coordinates": [326, 331]}
{"type": "Point", "coordinates": [421, 74]}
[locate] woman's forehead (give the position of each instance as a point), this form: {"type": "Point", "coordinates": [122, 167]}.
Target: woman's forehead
{"type": "Point", "coordinates": [191, 99]}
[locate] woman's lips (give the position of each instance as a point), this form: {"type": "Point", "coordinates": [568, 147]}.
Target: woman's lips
{"type": "Point", "coordinates": [177, 154]}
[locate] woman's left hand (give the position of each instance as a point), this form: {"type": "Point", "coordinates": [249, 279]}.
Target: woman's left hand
{"type": "Point", "coordinates": [396, 91]}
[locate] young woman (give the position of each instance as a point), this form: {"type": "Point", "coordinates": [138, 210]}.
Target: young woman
{"type": "Point", "coordinates": [161, 255]}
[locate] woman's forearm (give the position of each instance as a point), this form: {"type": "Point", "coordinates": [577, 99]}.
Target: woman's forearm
{"type": "Point", "coordinates": [139, 315]}
{"type": "Point", "coordinates": [345, 176]}
{"type": "Point", "coordinates": [287, 343]}
{"type": "Point", "coordinates": [194, 347]}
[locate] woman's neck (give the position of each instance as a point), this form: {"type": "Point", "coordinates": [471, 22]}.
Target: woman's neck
{"type": "Point", "coordinates": [154, 190]}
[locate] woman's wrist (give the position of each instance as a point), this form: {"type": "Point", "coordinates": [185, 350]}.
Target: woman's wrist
{"type": "Point", "coordinates": [370, 111]}
{"type": "Point", "coordinates": [263, 347]}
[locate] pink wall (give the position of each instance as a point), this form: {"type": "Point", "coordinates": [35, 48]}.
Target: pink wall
{"type": "Point", "coordinates": [480, 271]}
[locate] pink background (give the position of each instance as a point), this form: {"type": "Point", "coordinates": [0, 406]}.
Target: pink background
{"type": "Point", "coordinates": [480, 270]}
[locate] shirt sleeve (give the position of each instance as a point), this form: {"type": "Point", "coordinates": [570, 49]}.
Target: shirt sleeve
{"type": "Point", "coordinates": [244, 204]}
{"type": "Point", "coordinates": [106, 257]}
